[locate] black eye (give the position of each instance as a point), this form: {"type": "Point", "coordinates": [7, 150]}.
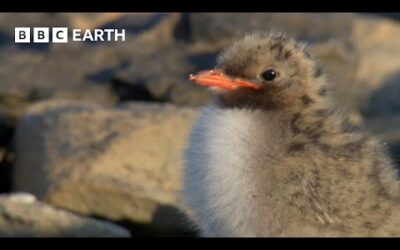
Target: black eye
{"type": "Point", "coordinates": [269, 75]}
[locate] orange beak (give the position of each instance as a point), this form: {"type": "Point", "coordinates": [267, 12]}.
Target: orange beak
{"type": "Point", "coordinates": [215, 78]}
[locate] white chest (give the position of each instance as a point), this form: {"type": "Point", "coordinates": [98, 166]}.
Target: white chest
{"type": "Point", "coordinates": [225, 147]}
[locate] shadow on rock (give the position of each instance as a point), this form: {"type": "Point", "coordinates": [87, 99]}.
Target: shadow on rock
{"type": "Point", "coordinates": [392, 15]}
{"type": "Point", "coordinates": [203, 61]}
{"type": "Point", "coordinates": [394, 151]}
{"type": "Point", "coordinates": [160, 226]}
{"type": "Point", "coordinates": [104, 76]}
{"type": "Point", "coordinates": [6, 166]}
{"type": "Point", "coordinates": [182, 31]}
{"type": "Point", "coordinates": [7, 155]}
{"type": "Point", "coordinates": [385, 100]}
{"type": "Point", "coordinates": [132, 92]}
{"type": "Point", "coordinates": [171, 215]}
{"type": "Point", "coordinates": [382, 109]}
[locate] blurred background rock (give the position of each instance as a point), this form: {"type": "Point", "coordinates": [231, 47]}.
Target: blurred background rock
{"type": "Point", "coordinates": [96, 131]}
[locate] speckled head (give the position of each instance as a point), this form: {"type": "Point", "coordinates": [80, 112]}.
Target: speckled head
{"type": "Point", "coordinates": [265, 70]}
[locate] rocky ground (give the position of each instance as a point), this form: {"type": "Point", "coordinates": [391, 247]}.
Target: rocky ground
{"type": "Point", "coordinates": [92, 134]}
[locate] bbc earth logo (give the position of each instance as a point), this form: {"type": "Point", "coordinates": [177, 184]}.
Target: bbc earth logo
{"type": "Point", "coordinates": [62, 35]}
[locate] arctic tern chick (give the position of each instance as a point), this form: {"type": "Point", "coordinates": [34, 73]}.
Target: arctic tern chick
{"type": "Point", "coordinates": [272, 155]}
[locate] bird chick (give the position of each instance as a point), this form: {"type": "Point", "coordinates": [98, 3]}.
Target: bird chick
{"type": "Point", "coordinates": [273, 155]}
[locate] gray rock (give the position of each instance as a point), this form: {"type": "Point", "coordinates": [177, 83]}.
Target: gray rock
{"type": "Point", "coordinates": [21, 215]}
{"type": "Point", "coordinates": [137, 23]}
{"type": "Point", "coordinates": [34, 75]}
{"type": "Point", "coordinates": [80, 71]}
{"type": "Point", "coordinates": [121, 164]}
{"type": "Point", "coordinates": [164, 76]}
{"type": "Point", "coordinates": [222, 27]}
{"type": "Point", "coordinates": [91, 20]}
{"type": "Point", "coordinates": [393, 15]}
{"type": "Point", "coordinates": [375, 39]}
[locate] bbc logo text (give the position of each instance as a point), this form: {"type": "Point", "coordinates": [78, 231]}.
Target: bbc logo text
{"type": "Point", "coordinates": [62, 35]}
